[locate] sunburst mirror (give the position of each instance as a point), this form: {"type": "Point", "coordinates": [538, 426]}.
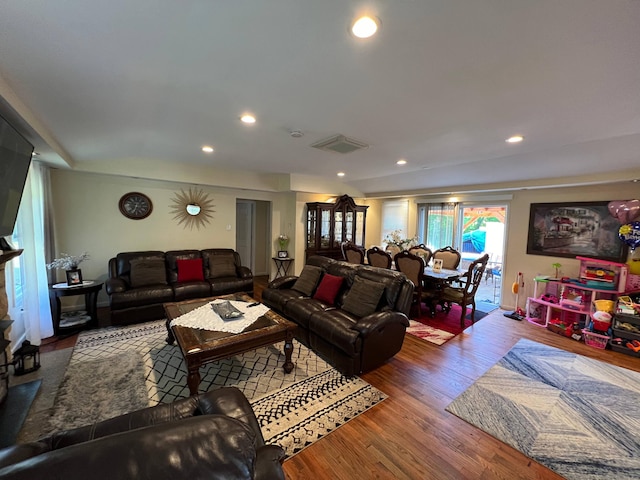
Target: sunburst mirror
{"type": "Point", "coordinates": [193, 208]}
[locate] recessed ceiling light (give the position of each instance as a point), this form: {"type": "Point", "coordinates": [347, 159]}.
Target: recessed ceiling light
{"type": "Point", "coordinates": [515, 139]}
{"type": "Point", "coordinates": [248, 118]}
{"type": "Point", "coordinates": [365, 27]}
{"type": "Point", "coordinates": [341, 174]}
{"type": "Point", "coordinates": [207, 149]}
{"type": "Point", "coordinates": [402, 161]}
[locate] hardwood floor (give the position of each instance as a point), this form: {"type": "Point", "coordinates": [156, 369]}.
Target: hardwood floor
{"type": "Point", "coordinates": [410, 435]}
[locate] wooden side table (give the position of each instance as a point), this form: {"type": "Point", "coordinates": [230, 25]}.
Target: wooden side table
{"type": "Point", "coordinates": [89, 289]}
{"type": "Point", "coordinates": [282, 266]}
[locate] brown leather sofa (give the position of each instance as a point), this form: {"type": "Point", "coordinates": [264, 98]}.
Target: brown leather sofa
{"type": "Point", "coordinates": [365, 324]}
{"type": "Point", "coordinates": [139, 283]}
{"type": "Point", "coordinates": [214, 435]}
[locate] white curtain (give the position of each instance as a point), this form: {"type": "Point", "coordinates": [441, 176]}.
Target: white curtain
{"type": "Point", "coordinates": [395, 216]}
{"type": "Point", "coordinates": [30, 287]}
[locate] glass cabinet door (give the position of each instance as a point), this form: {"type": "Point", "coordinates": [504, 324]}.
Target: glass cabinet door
{"type": "Point", "coordinates": [311, 228]}
{"type": "Point", "coordinates": [359, 232]}
{"type": "Point", "coordinates": [338, 229]}
{"type": "Point", "coordinates": [348, 227]}
{"type": "Point", "coordinates": [325, 228]}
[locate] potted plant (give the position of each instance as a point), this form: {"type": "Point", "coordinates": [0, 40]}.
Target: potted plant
{"type": "Point", "coordinates": [69, 263]}
{"type": "Point", "coordinates": [283, 243]}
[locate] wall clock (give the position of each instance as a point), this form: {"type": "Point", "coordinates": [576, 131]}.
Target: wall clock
{"type": "Point", "coordinates": [135, 205]}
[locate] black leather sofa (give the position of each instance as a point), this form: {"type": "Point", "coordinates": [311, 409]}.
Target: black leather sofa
{"type": "Point", "coordinates": [361, 328]}
{"type": "Point", "coordinates": [139, 283]}
{"type": "Point", "coordinates": [214, 435]}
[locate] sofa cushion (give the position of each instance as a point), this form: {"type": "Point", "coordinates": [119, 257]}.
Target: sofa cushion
{"type": "Point", "coordinates": [308, 280]}
{"type": "Point", "coordinates": [363, 297]}
{"type": "Point", "coordinates": [145, 272]}
{"type": "Point", "coordinates": [222, 265]}
{"type": "Point", "coordinates": [190, 270]}
{"type": "Point", "coordinates": [328, 289]}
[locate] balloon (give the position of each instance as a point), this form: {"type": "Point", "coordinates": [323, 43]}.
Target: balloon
{"type": "Point", "coordinates": [630, 234]}
{"type": "Point", "coordinates": [626, 211]}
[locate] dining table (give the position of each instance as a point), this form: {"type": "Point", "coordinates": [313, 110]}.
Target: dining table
{"type": "Point", "coordinates": [437, 280]}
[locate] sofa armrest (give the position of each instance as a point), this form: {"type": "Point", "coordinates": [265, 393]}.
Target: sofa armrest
{"type": "Point", "coordinates": [371, 323]}
{"type": "Point", "coordinates": [229, 401]}
{"type": "Point", "coordinates": [115, 285]}
{"type": "Point", "coordinates": [244, 272]}
{"type": "Point", "coordinates": [207, 446]}
{"type": "Point", "coordinates": [269, 463]}
{"type": "Point", "coordinates": [283, 282]}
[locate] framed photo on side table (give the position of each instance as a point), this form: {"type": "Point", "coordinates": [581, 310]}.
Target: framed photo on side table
{"type": "Point", "coordinates": [74, 277]}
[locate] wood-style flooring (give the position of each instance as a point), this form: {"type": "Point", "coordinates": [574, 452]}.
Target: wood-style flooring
{"type": "Point", "coordinates": [410, 435]}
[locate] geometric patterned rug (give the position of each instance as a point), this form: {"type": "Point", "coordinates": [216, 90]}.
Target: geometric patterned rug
{"type": "Point", "coordinates": [131, 367]}
{"type": "Point", "coordinates": [577, 416]}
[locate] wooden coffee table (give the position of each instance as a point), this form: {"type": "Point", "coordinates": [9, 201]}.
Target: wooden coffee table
{"type": "Point", "coordinates": [199, 347]}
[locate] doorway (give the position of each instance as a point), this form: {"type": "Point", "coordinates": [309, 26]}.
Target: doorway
{"type": "Point", "coordinates": [482, 229]}
{"type": "Point", "coordinates": [253, 220]}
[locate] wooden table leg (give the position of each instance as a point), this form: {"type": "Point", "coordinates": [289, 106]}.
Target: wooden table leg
{"type": "Point", "coordinates": [193, 379]}
{"type": "Point", "coordinates": [288, 350]}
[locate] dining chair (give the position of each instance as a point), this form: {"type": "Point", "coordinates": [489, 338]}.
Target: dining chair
{"type": "Point", "coordinates": [378, 258]}
{"type": "Point", "coordinates": [413, 268]}
{"type": "Point", "coordinates": [466, 294]}
{"type": "Point", "coordinates": [392, 250]}
{"type": "Point", "coordinates": [352, 253]}
{"type": "Point", "coordinates": [422, 251]}
{"type": "Point", "coordinates": [450, 257]}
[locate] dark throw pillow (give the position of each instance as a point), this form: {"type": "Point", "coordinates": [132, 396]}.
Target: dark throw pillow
{"type": "Point", "coordinates": [190, 270]}
{"type": "Point", "coordinates": [307, 280]}
{"type": "Point", "coordinates": [146, 272]}
{"type": "Point", "coordinates": [328, 289]}
{"type": "Point", "coordinates": [222, 266]}
{"type": "Point", "coordinates": [363, 297]}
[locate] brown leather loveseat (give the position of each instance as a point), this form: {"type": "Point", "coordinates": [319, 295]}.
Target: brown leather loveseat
{"type": "Point", "coordinates": [214, 435]}
{"type": "Point", "coordinates": [139, 283]}
{"type": "Point", "coordinates": [354, 316]}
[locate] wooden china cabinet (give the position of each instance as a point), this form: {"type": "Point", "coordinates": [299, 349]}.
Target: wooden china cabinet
{"type": "Point", "coordinates": [331, 224]}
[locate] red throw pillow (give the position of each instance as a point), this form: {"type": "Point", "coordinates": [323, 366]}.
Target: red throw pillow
{"type": "Point", "coordinates": [190, 270]}
{"type": "Point", "coordinates": [328, 289]}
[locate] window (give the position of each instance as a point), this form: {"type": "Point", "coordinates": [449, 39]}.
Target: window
{"type": "Point", "coordinates": [395, 217]}
{"type": "Point", "coordinates": [437, 224]}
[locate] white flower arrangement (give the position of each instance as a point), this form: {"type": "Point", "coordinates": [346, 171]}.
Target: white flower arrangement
{"type": "Point", "coordinates": [394, 238]}
{"type": "Point", "coordinates": [283, 241]}
{"type": "Point", "coordinates": [67, 262]}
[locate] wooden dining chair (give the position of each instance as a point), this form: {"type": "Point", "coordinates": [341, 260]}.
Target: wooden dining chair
{"type": "Point", "coordinates": [352, 253]}
{"type": "Point", "coordinates": [392, 250]}
{"type": "Point", "coordinates": [449, 256]}
{"type": "Point", "coordinates": [466, 294]}
{"type": "Point", "coordinates": [378, 258]}
{"type": "Point", "coordinates": [413, 268]}
{"type": "Point", "coordinates": [422, 251]}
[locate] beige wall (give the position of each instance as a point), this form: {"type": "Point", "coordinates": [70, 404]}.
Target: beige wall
{"type": "Point", "coordinates": [86, 217]}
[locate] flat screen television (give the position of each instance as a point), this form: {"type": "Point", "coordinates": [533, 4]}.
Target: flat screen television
{"type": "Point", "coordinates": [15, 158]}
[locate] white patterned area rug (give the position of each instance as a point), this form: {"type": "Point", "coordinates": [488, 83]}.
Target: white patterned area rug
{"type": "Point", "coordinates": [577, 416]}
{"type": "Point", "coordinates": [116, 370]}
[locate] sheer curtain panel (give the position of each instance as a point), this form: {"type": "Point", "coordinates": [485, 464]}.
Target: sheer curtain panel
{"type": "Point", "coordinates": [28, 289]}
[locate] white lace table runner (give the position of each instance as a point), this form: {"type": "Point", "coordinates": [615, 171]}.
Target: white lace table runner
{"type": "Point", "coordinates": [205, 318]}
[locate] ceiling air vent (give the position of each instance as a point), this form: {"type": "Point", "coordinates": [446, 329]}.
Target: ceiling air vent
{"type": "Point", "coordinates": [339, 144]}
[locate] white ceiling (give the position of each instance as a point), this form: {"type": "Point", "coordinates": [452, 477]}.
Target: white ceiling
{"type": "Point", "coordinates": [443, 84]}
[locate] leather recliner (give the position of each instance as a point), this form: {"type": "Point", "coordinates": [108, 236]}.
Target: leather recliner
{"type": "Point", "coordinates": [214, 435]}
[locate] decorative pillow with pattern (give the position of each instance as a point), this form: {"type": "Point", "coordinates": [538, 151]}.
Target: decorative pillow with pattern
{"type": "Point", "coordinates": [363, 297]}
{"type": "Point", "coordinates": [145, 272]}
{"type": "Point", "coordinates": [308, 280]}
